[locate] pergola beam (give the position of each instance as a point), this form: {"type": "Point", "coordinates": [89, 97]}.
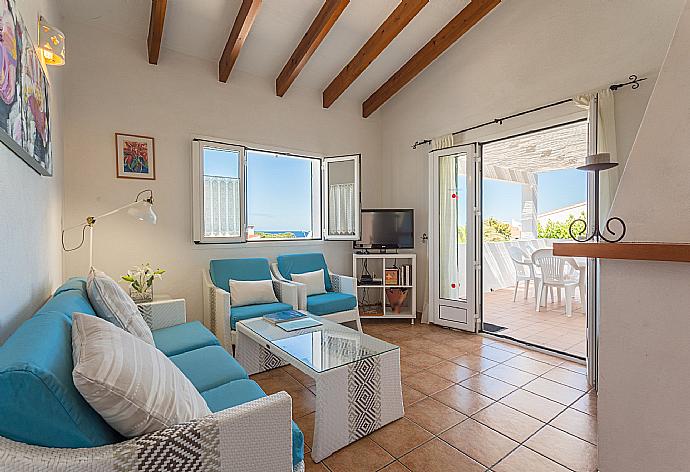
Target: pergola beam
{"type": "Point", "coordinates": [158, 8]}
{"type": "Point", "coordinates": [240, 30]}
{"type": "Point", "coordinates": [458, 26]}
{"type": "Point", "coordinates": [319, 28]}
{"type": "Point", "coordinates": [384, 35]}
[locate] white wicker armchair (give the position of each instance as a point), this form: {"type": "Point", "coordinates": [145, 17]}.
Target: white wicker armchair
{"type": "Point", "coordinates": [217, 307]}
{"type": "Point", "coordinates": [341, 284]}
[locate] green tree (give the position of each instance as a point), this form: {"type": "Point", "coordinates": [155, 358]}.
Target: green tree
{"type": "Point", "coordinates": [559, 229]}
{"type": "Point", "coordinates": [495, 231]}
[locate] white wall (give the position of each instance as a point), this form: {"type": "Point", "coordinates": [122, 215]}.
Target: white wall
{"type": "Point", "coordinates": [31, 207]}
{"type": "Point", "coordinates": [644, 387]}
{"type": "Point", "coordinates": [116, 90]}
{"type": "Point", "coordinates": [526, 53]}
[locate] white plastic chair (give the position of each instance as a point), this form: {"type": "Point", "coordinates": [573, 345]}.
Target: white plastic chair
{"type": "Point", "coordinates": [524, 270]}
{"type": "Point", "coordinates": [554, 274]}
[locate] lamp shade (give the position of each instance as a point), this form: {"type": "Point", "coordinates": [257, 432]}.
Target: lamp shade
{"type": "Point", "coordinates": [51, 43]}
{"type": "Point", "coordinates": [143, 211]}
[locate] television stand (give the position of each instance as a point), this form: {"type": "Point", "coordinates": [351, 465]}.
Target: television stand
{"type": "Point", "coordinates": [374, 301]}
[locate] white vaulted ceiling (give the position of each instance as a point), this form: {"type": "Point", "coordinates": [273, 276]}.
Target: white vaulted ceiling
{"type": "Point", "coordinates": [200, 28]}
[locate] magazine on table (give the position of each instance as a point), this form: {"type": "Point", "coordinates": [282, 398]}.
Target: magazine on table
{"type": "Point", "coordinates": [283, 316]}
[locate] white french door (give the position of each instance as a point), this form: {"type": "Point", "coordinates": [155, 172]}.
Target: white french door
{"type": "Point", "coordinates": [454, 252]}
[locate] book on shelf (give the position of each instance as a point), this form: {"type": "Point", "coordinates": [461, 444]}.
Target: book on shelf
{"type": "Point", "coordinates": [392, 276]}
{"type": "Point", "coordinates": [283, 316]}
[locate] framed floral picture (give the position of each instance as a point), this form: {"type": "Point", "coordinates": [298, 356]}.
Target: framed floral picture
{"type": "Point", "coordinates": [135, 157]}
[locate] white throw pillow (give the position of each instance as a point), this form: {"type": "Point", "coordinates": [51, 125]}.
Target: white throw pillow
{"type": "Point", "coordinates": [251, 292]}
{"type": "Point", "coordinates": [316, 285]}
{"type": "Point", "coordinates": [131, 384]}
{"type": "Point", "coordinates": [113, 304]}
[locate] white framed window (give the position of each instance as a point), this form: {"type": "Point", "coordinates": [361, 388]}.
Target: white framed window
{"type": "Point", "coordinates": [242, 194]}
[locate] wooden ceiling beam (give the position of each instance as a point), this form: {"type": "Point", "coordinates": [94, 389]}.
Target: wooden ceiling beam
{"type": "Point", "coordinates": [319, 28]}
{"type": "Point", "coordinates": [384, 35]}
{"type": "Point", "coordinates": [449, 34]}
{"type": "Point", "coordinates": [240, 30]}
{"type": "Point", "coordinates": [153, 41]}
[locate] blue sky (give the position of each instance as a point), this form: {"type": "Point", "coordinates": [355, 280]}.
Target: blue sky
{"type": "Point", "coordinates": [278, 190]}
{"type": "Point", "coordinates": [556, 189]}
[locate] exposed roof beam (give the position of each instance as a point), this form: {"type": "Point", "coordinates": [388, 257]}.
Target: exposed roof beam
{"type": "Point", "coordinates": [322, 24]}
{"type": "Point", "coordinates": [387, 32]}
{"type": "Point", "coordinates": [240, 30]}
{"type": "Point", "coordinates": [156, 29]}
{"type": "Point", "coordinates": [459, 25]}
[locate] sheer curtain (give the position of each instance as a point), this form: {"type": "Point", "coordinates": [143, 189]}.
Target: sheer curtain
{"type": "Point", "coordinates": [342, 201]}
{"type": "Point", "coordinates": [600, 105]}
{"type": "Point", "coordinates": [444, 174]}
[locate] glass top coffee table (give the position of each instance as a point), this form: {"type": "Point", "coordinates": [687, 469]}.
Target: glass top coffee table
{"type": "Point", "coordinates": [357, 376]}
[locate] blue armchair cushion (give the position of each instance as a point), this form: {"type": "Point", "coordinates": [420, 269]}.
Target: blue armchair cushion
{"type": "Point", "coordinates": [255, 311]}
{"type": "Point", "coordinates": [74, 283]}
{"type": "Point", "coordinates": [67, 302]}
{"type": "Point", "coordinates": [183, 337]}
{"type": "Point", "coordinates": [243, 391]}
{"type": "Point", "coordinates": [333, 302]}
{"type": "Point", "coordinates": [222, 270]}
{"type": "Point", "coordinates": [39, 403]}
{"type": "Point", "coordinates": [289, 264]}
{"type": "Point", "coordinates": [209, 367]}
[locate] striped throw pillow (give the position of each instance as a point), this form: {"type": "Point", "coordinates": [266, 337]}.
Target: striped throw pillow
{"type": "Point", "coordinates": [131, 384]}
{"type": "Point", "coordinates": [113, 304]}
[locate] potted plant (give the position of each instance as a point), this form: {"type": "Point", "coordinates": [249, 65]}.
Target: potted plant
{"type": "Point", "coordinates": [140, 279]}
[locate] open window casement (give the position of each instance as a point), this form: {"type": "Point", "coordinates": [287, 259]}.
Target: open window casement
{"type": "Point", "coordinates": [341, 198]}
{"type": "Point", "coordinates": [218, 185]}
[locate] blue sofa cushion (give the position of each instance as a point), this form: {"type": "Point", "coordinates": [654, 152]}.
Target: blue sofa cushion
{"type": "Point", "coordinates": [243, 391]}
{"type": "Point", "coordinates": [74, 283]}
{"type": "Point", "coordinates": [67, 302]}
{"type": "Point", "coordinates": [39, 404]}
{"type": "Point", "coordinates": [289, 264]}
{"type": "Point", "coordinates": [183, 337]}
{"type": "Point", "coordinates": [222, 270]}
{"type": "Point", "coordinates": [209, 367]}
{"type": "Point", "coordinates": [255, 311]}
{"type": "Point", "coordinates": [328, 303]}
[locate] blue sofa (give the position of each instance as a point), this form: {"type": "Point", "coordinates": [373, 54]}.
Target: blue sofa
{"type": "Point", "coordinates": [39, 404]}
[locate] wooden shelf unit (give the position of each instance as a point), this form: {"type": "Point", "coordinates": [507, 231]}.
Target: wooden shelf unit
{"type": "Point", "coordinates": [376, 265]}
{"type": "Point", "coordinates": [634, 251]}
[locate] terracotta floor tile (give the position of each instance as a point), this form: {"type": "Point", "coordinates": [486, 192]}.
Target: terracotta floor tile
{"type": "Point", "coordinates": [463, 399]}
{"type": "Point", "coordinates": [303, 402]}
{"type": "Point", "coordinates": [278, 382]}
{"type": "Point", "coordinates": [568, 377]}
{"type": "Point", "coordinates": [512, 423]}
{"type": "Point", "coordinates": [437, 456]}
{"type": "Point", "coordinates": [427, 382]}
{"type": "Point", "coordinates": [421, 359]}
{"type": "Point", "coordinates": [508, 347]}
{"type": "Point", "coordinates": [538, 407]}
{"type": "Point", "coordinates": [578, 424]}
{"type": "Point", "coordinates": [565, 449]}
{"type": "Point", "coordinates": [400, 437]}
{"type": "Point", "coordinates": [306, 425]}
{"type": "Point", "coordinates": [300, 376]}
{"type": "Point", "coordinates": [575, 367]}
{"type": "Point", "coordinates": [451, 371]}
{"type": "Point", "coordinates": [474, 362]}
{"type": "Point", "coordinates": [363, 455]}
{"type": "Point", "coordinates": [510, 375]}
{"type": "Point", "coordinates": [311, 466]}
{"type": "Point", "coordinates": [587, 404]}
{"type": "Point", "coordinates": [526, 460]}
{"type": "Point", "coordinates": [395, 467]}
{"type": "Point", "coordinates": [480, 442]}
{"type": "Point", "coordinates": [410, 395]}
{"type": "Point", "coordinates": [489, 386]}
{"type": "Point", "coordinates": [541, 357]}
{"type": "Point", "coordinates": [529, 365]}
{"type": "Point", "coordinates": [553, 391]}
{"type": "Point", "coordinates": [433, 416]}
{"type": "Point", "coordinates": [494, 354]}
{"type": "Point", "coordinates": [408, 370]}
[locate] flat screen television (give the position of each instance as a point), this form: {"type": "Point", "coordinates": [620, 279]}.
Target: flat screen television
{"type": "Point", "coordinates": [387, 229]}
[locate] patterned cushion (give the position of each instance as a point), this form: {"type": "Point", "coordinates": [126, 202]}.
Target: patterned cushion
{"type": "Point", "coordinates": [113, 304]}
{"type": "Point", "coordinates": [130, 383]}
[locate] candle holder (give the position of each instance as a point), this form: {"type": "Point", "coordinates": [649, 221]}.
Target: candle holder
{"type": "Point", "coordinates": [596, 163]}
